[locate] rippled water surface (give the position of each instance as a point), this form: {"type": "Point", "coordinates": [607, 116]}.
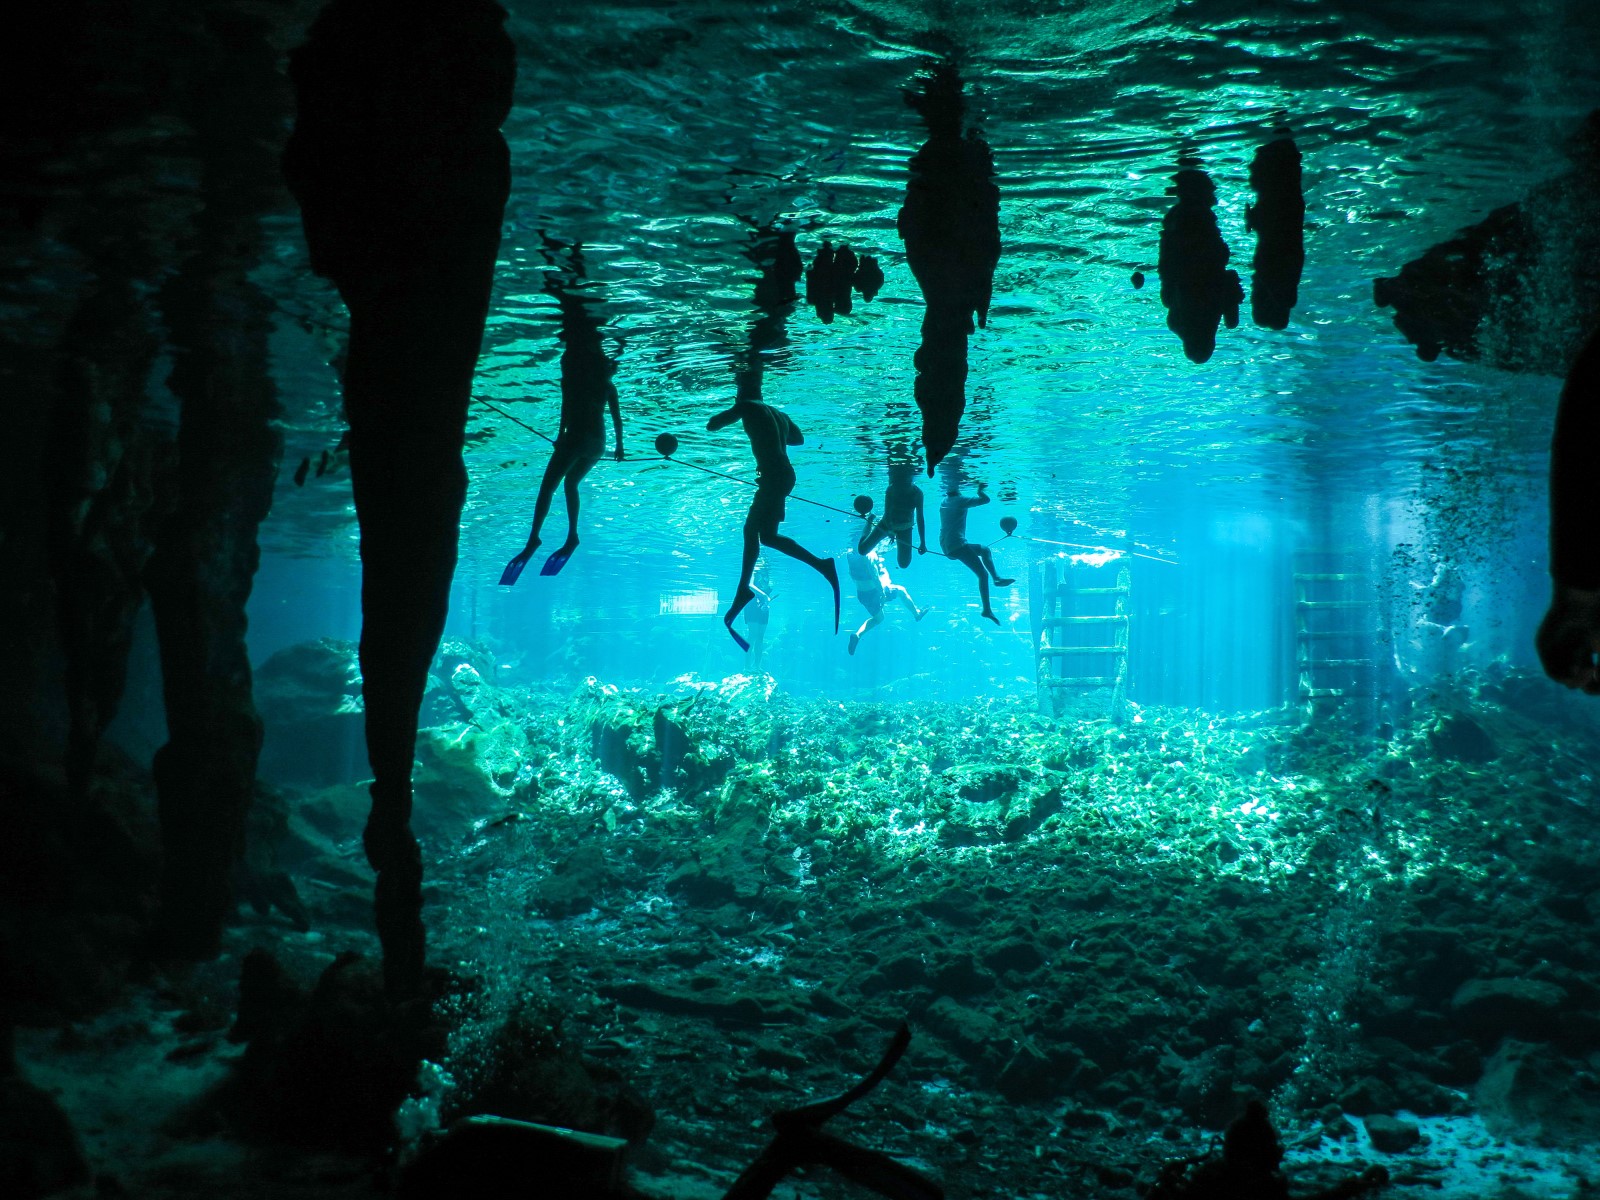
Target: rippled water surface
{"type": "Point", "coordinates": [652, 133]}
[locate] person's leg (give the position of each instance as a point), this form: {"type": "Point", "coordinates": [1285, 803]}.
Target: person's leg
{"type": "Point", "coordinates": [895, 592]}
{"type": "Point", "coordinates": [784, 544]}
{"type": "Point", "coordinates": [988, 562]}
{"type": "Point", "coordinates": [575, 474]}
{"type": "Point", "coordinates": [742, 595]}
{"type": "Point", "coordinates": [871, 622]}
{"type": "Point", "coordinates": [902, 548]}
{"type": "Point", "coordinates": [968, 555]}
{"type": "Point", "coordinates": [870, 539]}
{"type": "Point", "coordinates": [560, 458]}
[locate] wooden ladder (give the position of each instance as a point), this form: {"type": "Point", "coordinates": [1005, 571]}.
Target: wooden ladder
{"type": "Point", "coordinates": [1336, 629]}
{"type": "Point", "coordinates": [1080, 636]}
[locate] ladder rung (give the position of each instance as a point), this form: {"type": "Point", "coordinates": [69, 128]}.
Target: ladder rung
{"type": "Point", "coordinates": [1324, 635]}
{"type": "Point", "coordinates": [1316, 663]}
{"type": "Point", "coordinates": [1335, 603]}
{"type": "Point", "coordinates": [1326, 577]}
{"type": "Point", "coordinates": [1094, 591]}
{"type": "Point", "coordinates": [1081, 620]}
{"type": "Point", "coordinates": [1063, 651]}
{"type": "Point", "coordinates": [1085, 681]}
{"type": "Point", "coordinates": [1316, 693]}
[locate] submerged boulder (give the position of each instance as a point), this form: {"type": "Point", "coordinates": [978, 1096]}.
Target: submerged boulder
{"type": "Point", "coordinates": [309, 697]}
{"type": "Point", "coordinates": [1529, 1091]}
{"type": "Point", "coordinates": [39, 1151]}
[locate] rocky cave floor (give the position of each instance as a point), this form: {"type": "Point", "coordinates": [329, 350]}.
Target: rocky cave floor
{"type": "Point", "coordinates": [714, 902]}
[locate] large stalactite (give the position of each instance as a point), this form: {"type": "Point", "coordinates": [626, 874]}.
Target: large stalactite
{"type": "Point", "coordinates": [402, 177]}
{"type": "Point", "coordinates": [220, 482]}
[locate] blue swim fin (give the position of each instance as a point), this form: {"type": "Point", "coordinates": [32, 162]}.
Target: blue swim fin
{"type": "Point", "coordinates": [553, 564]}
{"type": "Point", "coordinates": [734, 633]}
{"type": "Point", "coordinates": [513, 570]}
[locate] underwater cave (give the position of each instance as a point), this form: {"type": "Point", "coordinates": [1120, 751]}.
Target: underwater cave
{"type": "Point", "coordinates": [583, 577]}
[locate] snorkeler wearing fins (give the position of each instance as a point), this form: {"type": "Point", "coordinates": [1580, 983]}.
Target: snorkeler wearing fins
{"type": "Point", "coordinates": [771, 433]}
{"type": "Point", "coordinates": [953, 534]}
{"type": "Point", "coordinates": [586, 392]}
{"type": "Point", "coordinates": [874, 590]}
{"type": "Point", "coordinates": [902, 504]}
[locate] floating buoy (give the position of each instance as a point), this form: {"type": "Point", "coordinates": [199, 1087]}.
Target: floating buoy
{"type": "Point", "coordinates": [863, 505]}
{"type": "Point", "coordinates": [1009, 524]}
{"type": "Point", "coordinates": [1138, 279]}
{"type": "Point", "coordinates": [666, 444]}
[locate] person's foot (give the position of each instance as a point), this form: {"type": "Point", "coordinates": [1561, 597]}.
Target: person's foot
{"type": "Point", "coordinates": [855, 640]}
{"type": "Point", "coordinates": [989, 612]}
{"type": "Point", "coordinates": [999, 581]}
{"type": "Point", "coordinates": [513, 570]}
{"type": "Point", "coordinates": [922, 612]}
{"type": "Point", "coordinates": [740, 598]}
{"type": "Point", "coordinates": [830, 572]}
{"type": "Point", "coordinates": [553, 564]}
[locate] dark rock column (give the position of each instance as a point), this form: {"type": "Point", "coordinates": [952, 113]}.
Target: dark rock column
{"type": "Point", "coordinates": [100, 466]}
{"type": "Point", "coordinates": [402, 178]}
{"type": "Point", "coordinates": [220, 485]}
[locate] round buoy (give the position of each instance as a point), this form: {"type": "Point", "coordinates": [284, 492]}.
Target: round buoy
{"type": "Point", "coordinates": [666, 444]}
{"type": "Point", "coordinates": [1138, 279]}
{"type": "Point", "coordinates": [1009, 524]}
{"type": "Point", "coordinates": [863, 505]}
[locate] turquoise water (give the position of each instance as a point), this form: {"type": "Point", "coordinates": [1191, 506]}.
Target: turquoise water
{"type": "Point", "coordinates": [726, 882]}
{"type": "Point", "coordinates": [651, 135]}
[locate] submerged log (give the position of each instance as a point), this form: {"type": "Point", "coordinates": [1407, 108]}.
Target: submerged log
{"type": "Point", "coordinates": [402, 177]}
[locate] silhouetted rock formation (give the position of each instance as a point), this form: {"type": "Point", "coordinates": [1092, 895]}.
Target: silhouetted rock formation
{"type": "Point", "coordinates": [1198, 289]}
{"type": "Point", "coordinates": [950, 224]}
{"type": "Point", "coordinates": [219, 489]}
{"type": "Point", "coordinates": [1519, 289]}
{"type": "Point", "coordinates": [775, 255]}
{"type": "Point", "coordinates": [402, 178]}
{"type": "Point", "coordinates": [833, 278]}
{"type": "Point", "coordinates": [1278, 219]}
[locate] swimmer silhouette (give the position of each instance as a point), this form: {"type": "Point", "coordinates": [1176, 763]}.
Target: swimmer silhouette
{"type": "Point", "coordinates": [1569, 635]}
{"type": "Point", "coordinates": [586, 392]}
{"type": "Point", "coordinates": [771, 433]}
{"type": "Point", "coordinates": [953, 534]}
{"type": "Point", "coordinates": [950, 223]}
{"type": "Point", "coordinates": [1197, 288]}
{"type": "Point", "coordinates": [902, 504]}
{"type": "Point", "coordinates": [1278, 219]}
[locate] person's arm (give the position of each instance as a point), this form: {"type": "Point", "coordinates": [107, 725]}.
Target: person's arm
{"type": "Point", "coordinates": [791, 432]}
{"type": "Point", "coordinates": [616, 420]}
{"type": "Point", "coordinates": [1569, 636]}
{"type": "Point", "coordinates": [734, 412]}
